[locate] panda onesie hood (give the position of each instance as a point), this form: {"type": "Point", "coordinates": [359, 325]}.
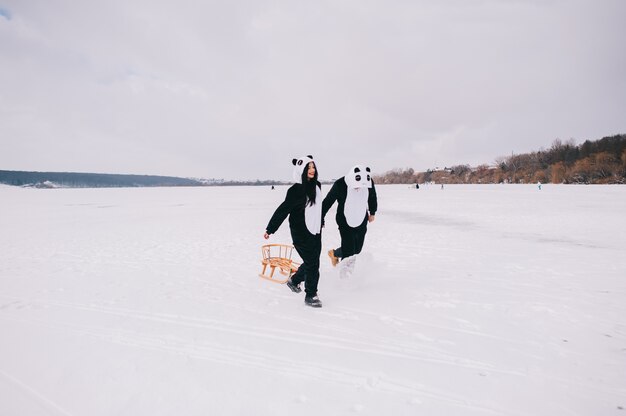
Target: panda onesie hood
{"type": "Point", "coordinates": [356, 198]}
{"type": "Point", "coordinates": [305, 222]}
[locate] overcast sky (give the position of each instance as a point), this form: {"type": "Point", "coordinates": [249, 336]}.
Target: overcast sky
{"type": "Point", "coordinates": [236, 89]}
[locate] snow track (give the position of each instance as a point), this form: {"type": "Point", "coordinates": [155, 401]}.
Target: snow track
{"type": "Point", "coordinates": [509, 306]}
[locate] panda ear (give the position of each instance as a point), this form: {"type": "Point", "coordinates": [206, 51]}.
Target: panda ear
{"type": "Point", "coordinates": [310, 157]}
{"type": "Point", "coordinates": [357, 170]}
{"type": "Point", "coordinates": [368, 169]}
{"type": "Point", "coordinates": [294, 161]}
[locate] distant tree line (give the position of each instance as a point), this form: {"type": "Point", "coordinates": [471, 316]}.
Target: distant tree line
{"type": "Point", "coordinates": [89, 180]}
{"type": "Point", "coordinates": [105, 180]}
{"type": "Point", "coordinates": [599, 162]}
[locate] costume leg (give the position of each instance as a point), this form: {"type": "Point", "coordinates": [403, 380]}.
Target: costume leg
{"type": "Point", "coordinates": [354, 237]}
{"type": "Point", "coordinates": [313, 268]}
{"type": "Point", "coordinates": [299, 276]}
{"type": "Point", "coordinates": [347, 242]}
{"type": "Point", "coordinates": [309, 248]}
{"type": "Point", "coordinates": [359, 238]}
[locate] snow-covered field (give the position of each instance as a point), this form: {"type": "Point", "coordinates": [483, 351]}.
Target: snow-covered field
{"type": "Point", "coordinates": [473, 300]}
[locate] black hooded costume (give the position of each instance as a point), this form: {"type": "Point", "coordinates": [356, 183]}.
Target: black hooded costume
{"type": "Point", "coordinates": [356, 199]}
{"type": "Point", "coordinates": [305, 220]}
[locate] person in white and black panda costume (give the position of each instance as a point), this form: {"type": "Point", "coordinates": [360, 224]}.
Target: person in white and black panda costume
{"type": "Point", "coordinates": [357, 203]}
{"type": "Point", "coordinates": [303, 205]}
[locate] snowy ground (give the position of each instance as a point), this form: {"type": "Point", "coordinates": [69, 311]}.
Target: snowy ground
{"type": "Point", "coordinates": [473, 300]}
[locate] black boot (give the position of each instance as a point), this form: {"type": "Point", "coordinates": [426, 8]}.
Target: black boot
{"type": "Point", "coordinates": [313, 301]}
{"type": "Point", "coordinates": [294, 287]}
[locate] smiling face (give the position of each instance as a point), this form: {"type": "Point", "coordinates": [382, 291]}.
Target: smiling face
{"type": "Point", "coordinates": [311, 170]}
{"type": "Point", "coordinates": [304, 169]}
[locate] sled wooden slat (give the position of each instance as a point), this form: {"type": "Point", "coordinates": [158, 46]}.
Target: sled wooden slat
{"type": "Point", "coordinates": [277, 256]}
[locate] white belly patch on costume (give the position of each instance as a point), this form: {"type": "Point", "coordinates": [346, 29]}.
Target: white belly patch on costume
{"type": "Point", "coordinates": [355, 207]}
{"type": "Point", "coordinates": [313, 213]}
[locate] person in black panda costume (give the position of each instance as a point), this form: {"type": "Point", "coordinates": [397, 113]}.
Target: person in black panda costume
{"type": "Point", "coordinates": [357, 203]}
{"type": "Point", "coordinates": [303, 205]}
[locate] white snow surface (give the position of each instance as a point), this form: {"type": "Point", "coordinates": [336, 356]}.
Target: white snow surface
{"type": "Point", "coordinates": [472, 300]}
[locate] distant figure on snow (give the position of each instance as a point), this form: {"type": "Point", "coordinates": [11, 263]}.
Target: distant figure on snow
{"type": "Point", "coordinates": [539, 185]}
{"type": "Point", "coordinates": [417, 186]}
{"type": "Point", "coordinates": [442, 187]}
{"type": "Point", "coordinates": [272, 187]}
{"type": "Point", "coordinates": [303, 205]}
{"type": "Point", "coordinates": [357, 203]}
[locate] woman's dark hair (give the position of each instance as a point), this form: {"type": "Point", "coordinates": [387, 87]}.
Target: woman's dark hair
{"type": "Point", "coordinates": [310, 185]}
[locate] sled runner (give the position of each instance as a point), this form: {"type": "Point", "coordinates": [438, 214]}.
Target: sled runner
{"type": "Point", "coordinates": [277, 256]}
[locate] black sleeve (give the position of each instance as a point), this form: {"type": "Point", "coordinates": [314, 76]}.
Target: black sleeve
{"type": "Point", "coordinates": [282, 211]}
{"type": "Point", "coordinates": [330, 199]}
{"type": "Point", "coordinates": [372, 200]}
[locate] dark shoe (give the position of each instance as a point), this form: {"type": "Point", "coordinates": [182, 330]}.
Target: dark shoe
{"type": "Point", "coordinates": [294, 287]}
{"type": "Point", "coordinates": [333, 259]}
{"type": "Point", "coordinates": [313, 301]}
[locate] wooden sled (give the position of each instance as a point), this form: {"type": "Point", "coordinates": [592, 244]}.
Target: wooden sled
{"type": "Point", "coordinates": [277, 256]}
